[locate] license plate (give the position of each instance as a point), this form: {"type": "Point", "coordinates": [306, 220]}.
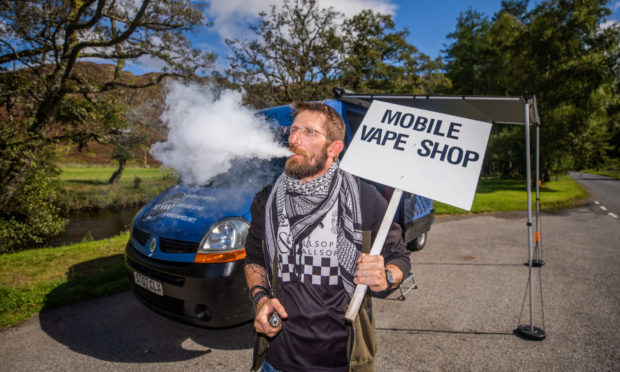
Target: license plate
{"type": "Point", "coordinates": [148, 283]}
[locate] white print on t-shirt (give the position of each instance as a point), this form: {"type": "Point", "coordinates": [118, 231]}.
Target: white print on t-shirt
{"type": "Point", "coordinates": [318, 252]}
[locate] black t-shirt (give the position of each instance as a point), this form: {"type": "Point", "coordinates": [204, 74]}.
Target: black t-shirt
{"type": "Point", "coordinates": [310, 289]}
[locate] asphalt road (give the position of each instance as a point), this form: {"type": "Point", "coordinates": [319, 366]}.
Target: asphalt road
{"type": "Point", "coordinates": [605, 190]}
{"type": "Point", "coordinates": [472, 286]}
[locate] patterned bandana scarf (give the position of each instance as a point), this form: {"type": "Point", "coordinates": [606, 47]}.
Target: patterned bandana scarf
{"type": "Point", "coordinates": [306, 205]}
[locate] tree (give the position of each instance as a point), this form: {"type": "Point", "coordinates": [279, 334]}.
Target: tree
{"type": "Point", "coordinates": [516, 8]}
{"type": "Point", "coordinates": [558, 52]}
{"type": "Point", "coordinates": [126, 141]}
{"type": "Point", "coordinates": [573, 63]}
{"type": "Point", "coordinates": [302, 52]}
{"type": "Point", "coordinates": [466, 57]}
{"type": "Point", "coordinates": [296, 54]}
{"type": "Point", "coordinates": [104, 122]}
{"type": "Point", "coordinates": [41, 43]}
{"type": "Point", "coordinates": [378, 60]}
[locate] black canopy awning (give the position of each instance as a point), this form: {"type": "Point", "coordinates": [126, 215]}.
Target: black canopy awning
{"type": "Point", "coordinates": [496, 110]}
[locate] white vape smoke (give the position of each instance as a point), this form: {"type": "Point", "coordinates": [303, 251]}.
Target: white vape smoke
{"type": "Point", "coordinates": [208, 132]}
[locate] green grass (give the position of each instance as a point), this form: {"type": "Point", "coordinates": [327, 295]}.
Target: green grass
{"type": "Point", "coordinates": [495, 195]}
{"type": "Point", "coordinates": [87, 186]}
{"type": "Point", "coordinates": [43, 278]}
{"type": "Point", "coordinates": [101, 174]}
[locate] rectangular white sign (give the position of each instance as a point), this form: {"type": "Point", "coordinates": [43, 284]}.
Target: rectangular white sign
{"type": "Point", "coordinates": [423, 152]}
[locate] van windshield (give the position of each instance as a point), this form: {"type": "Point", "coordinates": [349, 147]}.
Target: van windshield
{"type": "Point", "coordinates": [255, 173]}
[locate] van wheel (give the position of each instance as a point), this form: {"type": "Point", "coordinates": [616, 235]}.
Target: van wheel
{"type": "Point", "coordinates": [417, 243]}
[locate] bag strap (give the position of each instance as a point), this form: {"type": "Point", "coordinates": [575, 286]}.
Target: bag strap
{"type": "Point", "coordinates": [366, 241]}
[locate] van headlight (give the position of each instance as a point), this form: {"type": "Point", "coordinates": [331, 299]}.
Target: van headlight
{"type": "Point", "coordinates": [225, 242]}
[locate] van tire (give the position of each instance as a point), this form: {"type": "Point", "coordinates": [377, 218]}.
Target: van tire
{"type": "Point", "coordinates": [417, 243]}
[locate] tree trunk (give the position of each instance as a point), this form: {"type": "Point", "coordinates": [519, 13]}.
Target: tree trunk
{"type": "Point", "coordinates": [116, 176]}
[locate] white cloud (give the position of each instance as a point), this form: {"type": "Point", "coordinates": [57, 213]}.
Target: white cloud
{"type": "Point", "coordinates": [145, 64]}
{"type": "Point", "coordinates": [231, 17]}
{"type": "Point", "coordinates": [353, 7]}
{"type": "Point", "coordinates": [609, 24]}
{"type": "Point", "coordinates": [616, 6]}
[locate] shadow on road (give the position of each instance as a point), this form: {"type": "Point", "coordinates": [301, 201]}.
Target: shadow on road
{"type": "Point", "coordinates": [441, 331]}
{"type": "Point", "coordinates": [119, 328]}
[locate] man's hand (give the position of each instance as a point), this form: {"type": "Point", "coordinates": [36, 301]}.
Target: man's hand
{"type": "Point", "coordinates": [371, 271]}
{"type": "Point", "coordinates": [264, 309]}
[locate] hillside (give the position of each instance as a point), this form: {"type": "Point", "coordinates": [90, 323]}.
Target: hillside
{"type": "Point", "coordinates": [145, 106]}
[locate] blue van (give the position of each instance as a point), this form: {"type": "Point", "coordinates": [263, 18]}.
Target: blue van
{"type": "Point", "coordinates": [186, 251]}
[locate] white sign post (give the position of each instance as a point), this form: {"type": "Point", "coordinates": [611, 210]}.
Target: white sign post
{"type": "Point", "coordinates": [434, 155]}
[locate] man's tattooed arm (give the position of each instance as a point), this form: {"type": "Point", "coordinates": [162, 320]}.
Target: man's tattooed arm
{"type": "Point", "coordinates": [255, 275]}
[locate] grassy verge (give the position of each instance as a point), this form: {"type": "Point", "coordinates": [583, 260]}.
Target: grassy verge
{"type": "Point", "coordinates": [42, 278]}
{"type": "Point", "coordinates": [494, 195]}
{"type": "Point", "coordinates": [87, 186]}
{"type": "Point", "coordinates": [613, 173]}
{"type": "Point", "coordinates": [37, 279]}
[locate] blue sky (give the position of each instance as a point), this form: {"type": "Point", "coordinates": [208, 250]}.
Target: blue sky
{"type": "Point", "coordinates": [429, 21]}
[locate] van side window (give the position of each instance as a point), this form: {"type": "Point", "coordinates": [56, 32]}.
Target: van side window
{"type": "Point", "coordinates": [355, 119]}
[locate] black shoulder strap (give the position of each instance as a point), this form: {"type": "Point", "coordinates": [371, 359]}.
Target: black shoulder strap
{"type": "Point", "coordinates": [366, 241]}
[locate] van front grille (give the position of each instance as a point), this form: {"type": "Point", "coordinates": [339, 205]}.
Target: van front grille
{"type": "Point", "coordinates": [141, 236]}
{"type": "Point", "coordinates": [168, 245]}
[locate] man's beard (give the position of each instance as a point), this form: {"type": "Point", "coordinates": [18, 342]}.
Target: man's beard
{"type": "Point", "coordinates": [302, 167]}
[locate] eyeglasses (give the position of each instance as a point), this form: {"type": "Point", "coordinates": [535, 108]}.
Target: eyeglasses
{"type": "Point", "coordinates": [305, 132]}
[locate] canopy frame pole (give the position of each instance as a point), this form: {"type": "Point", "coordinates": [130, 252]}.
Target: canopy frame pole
{"type": "Point", "coordinates": [529, 332]}
{"type": "Point", "coordinates": [538, 260]}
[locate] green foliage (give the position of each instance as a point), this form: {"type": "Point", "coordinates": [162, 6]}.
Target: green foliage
{"type": "Point", "coordinates": [136, 182]}
{"type": "Point", "coordinates": [379, 60]}
{"type": "Point", "coordinates": [466, 57]}
{"type": "Point", "coordinates": [505, 153]}
{"type": "Point", "coordinates": [46, 99]}
{"type": "Point", "coordinates": [558, 52]}
{"type": "Point", "coordinates": [35, 212]}
{"type": "Point", "coordinates": [303, 51]}
{"type": "Point", "coordinates": [294, 58]}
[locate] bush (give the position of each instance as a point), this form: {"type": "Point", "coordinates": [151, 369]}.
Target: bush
{"type": "Point", "coordinates": [136, 182]}
{"type": "Point", "coordinates": [34, 213]}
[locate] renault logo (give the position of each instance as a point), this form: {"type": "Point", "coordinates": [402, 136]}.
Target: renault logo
{"type": "Point", "coordinates": [152, 247]}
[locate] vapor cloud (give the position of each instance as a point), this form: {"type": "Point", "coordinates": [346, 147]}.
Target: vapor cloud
{"type": "Point", "coordinates": [209, 130]}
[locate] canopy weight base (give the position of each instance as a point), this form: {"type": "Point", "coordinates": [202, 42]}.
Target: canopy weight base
{"type": "Point", "coordinates": [530, 333]}
{"type": "Point", "coordinates": [535, 263]}
{"type": "Point", "coordinates": [538, 263]}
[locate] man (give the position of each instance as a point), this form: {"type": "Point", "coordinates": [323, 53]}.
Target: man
{"type": "Point", "coordinates": [304, 254]}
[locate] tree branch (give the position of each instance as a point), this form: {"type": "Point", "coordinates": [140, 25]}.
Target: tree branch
{"type": "Point", "coordinates": [122, 37]}
{"type": "Point", "coordinates": [109, 86]}
{"type": "Point", "coordinates": [96, 17]}
{"type": "Point", "coordinates": [20, 55]}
